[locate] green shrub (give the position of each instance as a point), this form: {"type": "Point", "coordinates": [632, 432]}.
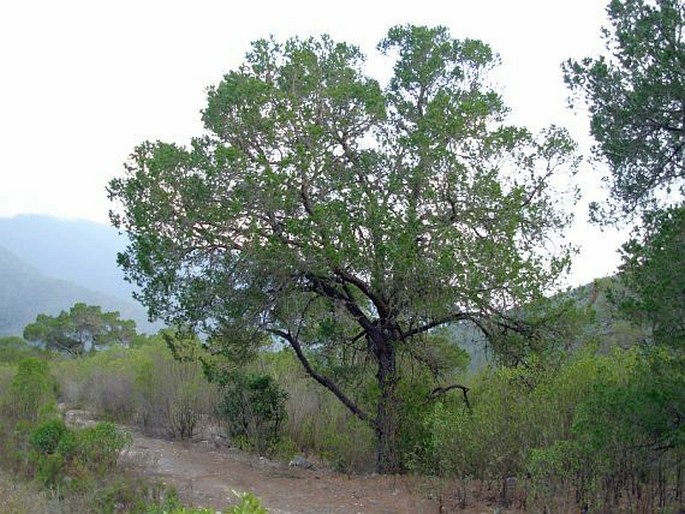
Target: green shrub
{"type": "Point", "coordinates": [14, 348]}
{"type": "Point", "coordinates": [172, 396]}
{"type": "Point", "coordinates": [32, 390]}
{"type": "Point", "coordinates": [98, 447]}
{"type": "Point", "coordinates": [253, 408]}
{"type": "Point", "coordinates": [47, 436]}
{"type": "Point", "coordinates": [249, 504]}
{"type": "Point", "coordinates": [101, 382]}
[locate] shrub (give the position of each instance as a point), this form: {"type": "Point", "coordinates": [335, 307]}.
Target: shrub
{"type": "Point", "coordinates": [101, 382]}
{"type": "Point", "coordinates": [46, 437]}
{"type": "Point", "coordinates": [32, 390]}
{"type": "Point", "coordinates": [98, 447]}
{"type": "Point", "coordinates": [249, 504]}
{"type": "Point", "coordinates": [253, 407]}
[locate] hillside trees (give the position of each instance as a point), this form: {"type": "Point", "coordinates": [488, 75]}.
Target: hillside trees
{"type": "Point", "coordinates": [636, 98]}
{"type": "Point", "coordinates": [653, 274]}
{"type": "Point", "coordinates": [637, 103]}
{"type": "Point", "coordinates": [347, 219]}
{"type": "Point", "coordinates": [80, 330]}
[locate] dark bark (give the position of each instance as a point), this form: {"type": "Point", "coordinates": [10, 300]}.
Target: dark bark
{"type": "Point", "coordinates": [388, 457]}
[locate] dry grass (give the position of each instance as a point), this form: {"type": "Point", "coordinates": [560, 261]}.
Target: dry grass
{"type": "Point", "coordinates": [20, 498]}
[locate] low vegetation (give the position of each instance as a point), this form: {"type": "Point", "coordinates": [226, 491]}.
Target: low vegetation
{"type": "Point", "coordinates": [336, 259]}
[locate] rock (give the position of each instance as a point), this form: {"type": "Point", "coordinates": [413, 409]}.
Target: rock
{"type": "Point", "coordinates": [300, 462]}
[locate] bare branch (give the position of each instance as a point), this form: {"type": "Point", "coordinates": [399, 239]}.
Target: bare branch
{"type": "Point", "coordinates": [321, 379]}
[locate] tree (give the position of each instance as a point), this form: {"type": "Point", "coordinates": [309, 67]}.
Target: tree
{"type": "Point", "coordinates": [83, 328]}
{"type": "Point", "coordinates": [636, 97]}
{"type": "Point", "coordinates": [347, 219]}
{"type": "Point", "coordinates": [652, 292]}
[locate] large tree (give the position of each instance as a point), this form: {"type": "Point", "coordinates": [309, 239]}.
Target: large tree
{"type": "Point", "coordinates": [636, 98]}
{"type": "Point", "coordinates": [81, 329]}
{"type": "Point", "coordinates": [348, 218]}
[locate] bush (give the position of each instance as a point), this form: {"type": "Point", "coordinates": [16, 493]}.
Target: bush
{"type": "Point", "coordinates": [602, 432]}
{"type": "Point", "coordinates": [90, 452]}
{"type": "Point", "coordinates": [33, 390]}
{"type": "Point", "coordinates": [253, 407]}
{"type": "Point", "coordinates": [98, 447]}
{"type": "Point", "coordinates": [46, 437]}
{"type": "Point", "coordinates": [249, 504]}
{"type": "Point", "coordinates": [145, 385]}
{"type": "Point", "coordinates": [101, 382]}
{"type": "Point", "coordinates": [13, 349]}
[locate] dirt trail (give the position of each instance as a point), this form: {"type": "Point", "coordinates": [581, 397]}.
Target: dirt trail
{"type": "Point", "coordinates": [206, 476]}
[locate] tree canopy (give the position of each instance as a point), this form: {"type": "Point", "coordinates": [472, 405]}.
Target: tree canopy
{"type": "Point", "coordinates": [636, 98]}
{"type": "Point", "coordinates": [653, 275]}
{"type": "Point", "coordinates": [348, 218]}
{"type": "Point", "coordinates": [80, 330]}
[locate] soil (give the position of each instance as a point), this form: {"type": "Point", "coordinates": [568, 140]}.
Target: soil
{"type": "Point", "coordinates": [206, 473]}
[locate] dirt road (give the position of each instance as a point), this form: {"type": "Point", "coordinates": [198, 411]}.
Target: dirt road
{"type": "Point", "coordinates": [206, 474]}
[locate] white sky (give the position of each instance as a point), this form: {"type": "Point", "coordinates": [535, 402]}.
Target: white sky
{"type": "Point", "coordinates": [83, 82]}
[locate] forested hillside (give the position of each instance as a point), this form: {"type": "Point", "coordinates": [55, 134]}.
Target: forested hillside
{"type": "Point", "coordinates": [26, 292]}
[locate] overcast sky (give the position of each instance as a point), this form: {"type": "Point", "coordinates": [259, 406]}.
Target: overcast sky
{"type": "Point", "coordinates": [82, 82]}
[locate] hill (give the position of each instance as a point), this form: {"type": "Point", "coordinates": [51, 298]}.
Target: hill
{"type": "Point", "coordinates": [26, 292]}
{"type": "Point", "coordinates": [79, 251]}
{"type": "Point", "coordinates": [605, 325]}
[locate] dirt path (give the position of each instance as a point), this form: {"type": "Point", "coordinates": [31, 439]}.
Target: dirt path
{"type": "Point", "coordinates": [206, 476]}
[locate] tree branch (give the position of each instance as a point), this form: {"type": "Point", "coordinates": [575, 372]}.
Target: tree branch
{"type": "Point", "coordinates": [436, 323]}
{"type": "Point", "coordinates": [439, 391]}
{"type": "Point", "coordinates": [322, 285]}
{"type": "Point", "coordinates": [379, 303]}
{"type": "Point", "coordinates": [321, 379]}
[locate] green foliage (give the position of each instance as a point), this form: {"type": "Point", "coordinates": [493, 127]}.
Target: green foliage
{"type": "Point", "coordinates": [47, 436]}
{"type": "Point", "coordinates": [635, 96]}
{"type": "Point", "coordinates": [99, 446]}
{"type": "Point", "coordinates": [33, 390]}
{"type": "Point", "coordinates": [601, 430]}
{"type": "Point", "coordinates": [249, 504]}
{"type": "Point", "coordinates": [171, 390]}
{"type": "Point", "coordinates": [253, 407]}
{"type": "Point", "coordinates": [652, 277]}
{"type": "Point", "coordinates": [102, 382]}
{"type": "Point", "coordinates": [91, 451]}
{"type": "Point", "coordinates": [136, 496]}
{"type": "Point", "coordinates": [346, 219]}
{"type": "Point", "coordinates": [13, 349]}
{"type": "Point", "coordinates": [489, 440]}
{"type": "Point", "coordinates": [82, 329]}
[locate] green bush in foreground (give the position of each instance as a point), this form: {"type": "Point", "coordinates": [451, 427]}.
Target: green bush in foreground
{"type": "Point", "coordinates": [59, 452]}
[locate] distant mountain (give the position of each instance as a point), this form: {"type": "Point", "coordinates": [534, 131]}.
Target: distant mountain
{"type": "Point", "coordinates": [82, 252]}
{"type": "Point", "coordinates": [25, 293]}
{"type": "Point", "coordinates": [48, 264]}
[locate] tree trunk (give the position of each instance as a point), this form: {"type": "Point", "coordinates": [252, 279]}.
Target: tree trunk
{"type": "Point", "coordinates": [388, 458]}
